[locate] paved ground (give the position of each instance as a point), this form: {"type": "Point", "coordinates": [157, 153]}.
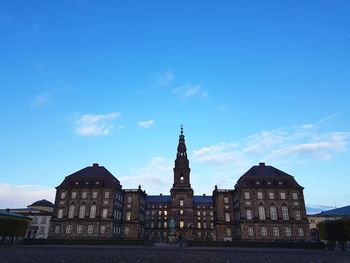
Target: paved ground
{"type": "Point", "coordinates": [106, 254]}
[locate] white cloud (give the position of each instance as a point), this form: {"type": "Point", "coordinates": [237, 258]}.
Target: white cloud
{"type": "Point", "coordinates": [165, 79]}
{"type": "Point", "coordinates": [155, 175]}
{"type": "Point", "coordinates": [189, 90]}
{"type": "Point", "coordinates": [322, 146]}
{"type": "Point", "coordinates": [305, 142]}
{"type": "Point", "coordinates": [19, 196]}
{"type": "Point", "coordinates": [41, 100]}
{"type": "Point", "coordinates": [146, 124]}
{"type": "Point", "coordinates": [96, 125]}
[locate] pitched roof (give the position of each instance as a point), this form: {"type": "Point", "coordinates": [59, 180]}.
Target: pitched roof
{"type": "Point", "coordinates": [91, 174]}
{"type": "Point", "coordinates": [42, 202]}
{"type": "Point", "coordinates": [158, 198]}
{"type": "Point", "coordinates": [202, 199]}
{"type": "Point", "coordinates": [341, 211]}
{"type": "Point", "coordinates": [265, 174]}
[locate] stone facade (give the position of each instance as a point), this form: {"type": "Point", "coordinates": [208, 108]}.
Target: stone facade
{"type": "Point", "coordinates": [265, 205]}
{"type": "Point", "coordinates": [88, 205]}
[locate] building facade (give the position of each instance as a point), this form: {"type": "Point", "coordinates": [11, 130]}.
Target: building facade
{"type": "Point", "coordinates": [266, 204]}
{"type": "Point", "coordinates": [39, 213]}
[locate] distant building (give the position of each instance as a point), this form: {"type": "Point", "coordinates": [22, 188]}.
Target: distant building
{"type": "Point", "coordinates": [40, 213]}
{"type": "Point", "coordinates": [333, 214]}
{"type": "Point", "coordinates": [265, 205]}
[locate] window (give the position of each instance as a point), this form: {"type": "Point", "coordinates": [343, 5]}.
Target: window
{"type": "Point", "coordinates": [226, 201]}
{"type": "Point", "coordinates": [250, 231]}
{"type": "Point", "coordinates": [204, 225]}
{"type": "Point", "coordinates": [160, 212]}
{"type": "Point", "coordinates": [285, 214]}
{"type": "Point", "coordinates": [297, 215]}
{"type": "Point", "coordinates": [181, 212]}
{"type": "Point", "coordinates": [300, 232]}
{"type": "Point", "coordinates": [261, 210]}
{"type": "Point", "coordinates": [84, 195]}
{"type": "Point", "coordinates": [93, 211]}
{"type": "Point", "coordinates": [106, 194]}
{"type": "Point", "coordinates": [228, 232]}
{"type": "Point", "coordinates": [42, 230]}
{"type": "Point", "coordinates": [227, 217]}
{"type": "Point", "coordinates": [74, 195]}
{"type": "Point", "coordinates": [103, 229]}
{"type": "Point", "coordinates": [63, 195]}
{"type": "Point", "coordinates": [68, 229]}
{"type": "Point", "coordinates": [271, 195]}
{"type": "Point", "coordinates": [165, 212]}
{"type": "Point", "coordinates": [60, 213]}
{"type": "Point", "coordinates": [129, 199]}
{"type": "Point", "coordinates": [198, 213]}
{"type": "Point", "coordinates": [104, 213]}
{"type": "Point", "coordinates": [94, 195]}
{"type": "Point", "coordinates": [182, 224]}
{"type": "Point", "coordinates": [159, 224]}
{"type": "Point", "coordinates": [152, 224]}
{"type": "Point", "coordinates": [283, 195]}
{"type": "Point", "coordinates": [128, 216]}
{"type": "Point", "coordinates": [57, 229]}
{"type": "Point", "coordinates": [90, 229]}
{"type": "Point", "coordinates": [165, 224]}
{"type": "Point", "coordinates": [249, 214]}
{"type": "Point", "coordinates": [43, 220]}
{"type": "Point", "coordinates": [71, 211]}
{"type": "Point", "coordinates": [181, 202]}
{"type": "Point", "coordinates": [35, 220]}
{"type": "Point", "coordinates": [264, 231]}
{"type": "Point", "coordinates": [260, 195]}
{"type": "Point", "coordinates": [204, 213]}
{"type": "Point", "coordinates": [287, 231]}
{"type": "Point", "coordinates": [82, 211]}
{"type": "Point", "coordinates": [275, 231]}
{"type": "Point", "coordinates": [295, 196]}
{"type": "Point", "coordinates": [198, 224]}
{"type": "Point", "coordinates": [273, 213]}
{"type": "Point", "coordinates": [246, 195]}
{"type": "Point", "coordinates": [79, 229]}
{"type": "Point", "coordinates": [181, 179]}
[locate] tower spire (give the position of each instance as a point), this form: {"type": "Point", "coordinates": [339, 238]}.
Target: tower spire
{"type": "Point", "coordinates": [181, 169]}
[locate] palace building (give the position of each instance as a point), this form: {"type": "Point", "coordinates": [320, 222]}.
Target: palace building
{"type": "Point", "coordinates": [266, 204]}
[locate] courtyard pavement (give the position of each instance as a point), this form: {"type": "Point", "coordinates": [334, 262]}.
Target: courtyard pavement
{"type": "Point", "coordinates": [117, 254]}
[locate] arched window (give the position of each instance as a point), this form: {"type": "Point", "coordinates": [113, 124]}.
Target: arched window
{"type": "Point", "coordinates": [250, 231]}
{"type": "Point", "coordinates": [71, 211]}
{"type": "Point", "coordinates": [261, 212]}
{"type": "Point", "coordinates": [273, 213]}
{"type": "Point", "coordinates": [93, 211]}
{"type": "Point", "coordinates": [285, 214]}
{"type": "Point", "coordinates": [104, 213]}
{"type": "Point", "coordinates": [82, 211]}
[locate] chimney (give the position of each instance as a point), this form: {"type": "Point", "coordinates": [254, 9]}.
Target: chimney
{"type": "Point", "coordinates": [95, 165]}
{"type": "Point", "coordinates": [161, 194]}
{"type": "Point", "coordinates": [262, 164]}
{"type": "Point", "coordinates": [203, 194]}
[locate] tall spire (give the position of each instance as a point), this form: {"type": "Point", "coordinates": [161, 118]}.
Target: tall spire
{"type": "Point", "coordinates": [182, 136]}
{"type": "Point", "coordinates": [181, 169]}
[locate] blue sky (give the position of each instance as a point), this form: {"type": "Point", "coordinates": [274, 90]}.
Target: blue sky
{"type": "Point", "coordinates": [111, 82]}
